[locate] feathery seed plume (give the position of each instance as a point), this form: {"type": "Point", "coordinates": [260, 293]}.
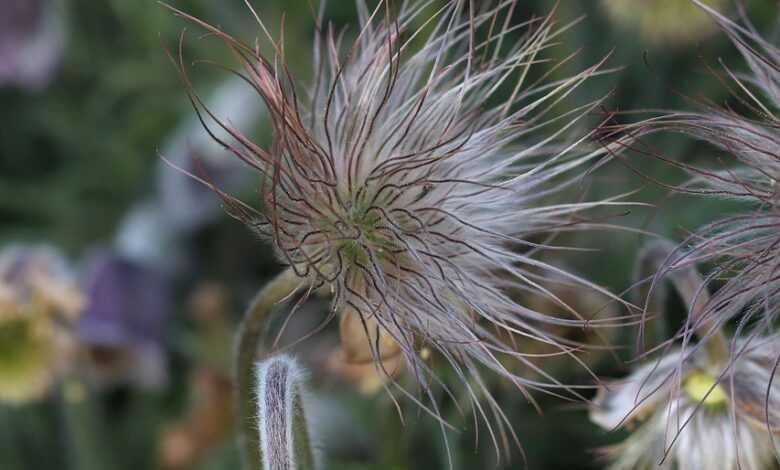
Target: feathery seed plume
{"type": "Point", "coordinates": [415, 176]}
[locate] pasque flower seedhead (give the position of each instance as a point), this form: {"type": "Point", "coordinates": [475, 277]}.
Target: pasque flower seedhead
{"type": "Point", "coordinates": [413, 177]}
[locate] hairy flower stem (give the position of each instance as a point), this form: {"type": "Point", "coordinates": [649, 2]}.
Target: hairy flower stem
{"type": "Point", "coordinates": [284, 431]}
{"type": "Point", "coordinates": [692, 288]}
{"type": "Point", "coordinates": [250, 335]}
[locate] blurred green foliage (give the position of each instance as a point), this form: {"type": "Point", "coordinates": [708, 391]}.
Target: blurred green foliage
{"type": "Point", "coordinates": [75, 156]}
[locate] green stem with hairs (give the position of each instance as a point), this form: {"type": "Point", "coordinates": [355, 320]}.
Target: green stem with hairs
{"type": "Point", "coordinates": [691, 287]}
{"type": "Point", "coordinates": [250, 336]}
{"type": "Point", "coordinates": [284, 429]}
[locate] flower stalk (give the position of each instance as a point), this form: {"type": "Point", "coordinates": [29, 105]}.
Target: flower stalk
{"type": "Point", "coordinates": [285, 442]}
{"type": "Point", "coordinates": [248, 342]}
{"type": "Point", "coordinates": [658, 260]}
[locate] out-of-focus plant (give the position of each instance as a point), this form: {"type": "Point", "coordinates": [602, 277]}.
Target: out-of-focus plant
{"type": "Point", "coordinates": [128, 286]}
{"type": "Point", "coordinates": [32, 39]}
{"type": "Point", "coordinates": [209, 416]}
{"type": "Point", "coordinates": [663, 23]}
{"type": "Point", "coordinates": [702, 405]}
{"type": "Point", "coordinates": [593, 344]}
{"type": "Point", "coordinates": [354, 360]}
{"type": "Point", "coordinates": [743, 248]}
{"type": "Point", "coordinates": [746, 246]}
{"type": "Point", "coordinates": [39, 302]}
{"type": "Point", "coordinates": [151, 233]}
{"type": "Point", "coordinates": [411, 181]}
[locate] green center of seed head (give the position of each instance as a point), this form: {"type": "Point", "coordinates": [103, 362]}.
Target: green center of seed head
{"type": "Point", "coordinates": [360, 219]}
{"type": "Point", "coordinates": [702, 388]}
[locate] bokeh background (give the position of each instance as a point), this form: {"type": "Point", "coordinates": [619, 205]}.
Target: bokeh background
{"type": "Point", "coordinates": [89, 103]}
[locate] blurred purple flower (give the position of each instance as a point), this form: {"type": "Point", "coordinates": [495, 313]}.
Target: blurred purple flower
{"type": "Point", "coordinates": [31, 42]}
{"type": "Point", "coordinates": [123, 325]}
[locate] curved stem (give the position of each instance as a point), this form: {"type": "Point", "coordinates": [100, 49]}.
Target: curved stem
{"type": "Point", "coordinates": [693, 290]}
{"type": "Point", "coordinates": [250, 335]}
{"type": "Point", "coordinates": [649, 296]}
